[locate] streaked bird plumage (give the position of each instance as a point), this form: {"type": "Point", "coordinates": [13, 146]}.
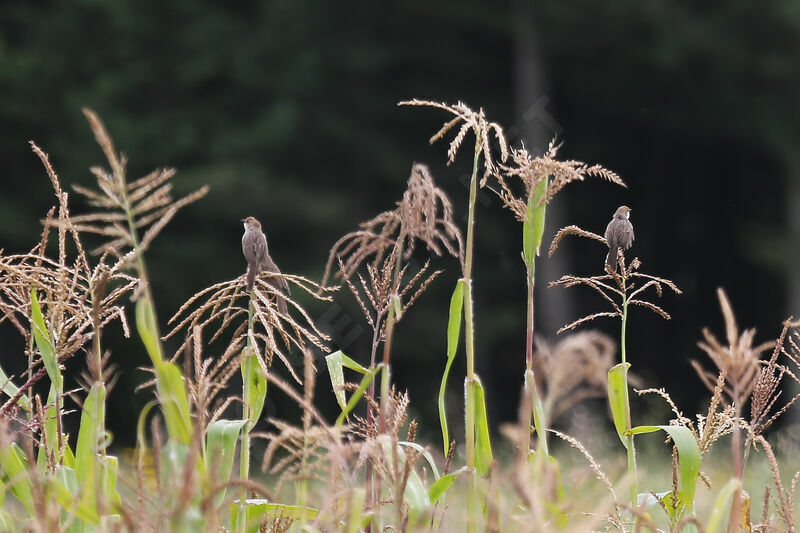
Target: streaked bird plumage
{"type": "Point", "coordinates": [256, 253]}
{"type": "Point", "coordinates": [619, 235]}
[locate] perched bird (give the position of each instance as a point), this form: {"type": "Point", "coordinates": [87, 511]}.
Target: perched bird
{"type": "Point", "coordinates": [254, 246]}
{"type": "Point", "coordinates": [619, 234]}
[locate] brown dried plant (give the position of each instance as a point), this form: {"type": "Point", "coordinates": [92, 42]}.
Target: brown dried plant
{"type": "Point", "coordinates": [620, 285]}
{"type": "Point", "coordinates": [381, 448]}
{"type": "Point", "coordinates": [224, 306]}
{"type": "Point", "coordinates": [785, 496]}
{"type": "Point", "coordinates": [312, 452]}
{"type": "Point", "coordinates": [424, 214]}
{"type": "Point", "coordinates": [207, 378]}
{"type": "Point", "coordinates": [383, 287]}
{"type": "Point", "coordinates": [739, 360]}
{"type": "Point", "coordinates": [573, 370]}
{"type": "Point", "coordinates": [126, 210]}
{"type": "Point", "coordinates": [480, 127]}
{"type": "Point", "coordinates": [531, 171]}
{"type": "Point", "coordinates": [77, 301]}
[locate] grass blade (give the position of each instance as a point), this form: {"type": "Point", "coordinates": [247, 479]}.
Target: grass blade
{"type": "Point", "coordinates": [148, 330]}
{"type": "Point", "coordinates": [336, 362]}
{"type": "Point", "coordinates": [259, 510]}
{"type": "Point", "coordinates": [483, 444]}
{"type": "Point", "coordinates": [533, 226]}
{"type": "Point", "coordinates": [359, 392]}
{"type": "Point", "coordinates": [257, 383]}
{"type": "Point", "coordinates": [8, 387]}
{"type": "Point", "coordinates": [86, 449]}
{"type": "Point", "coordinates": [15, 474]}
{"type": "Point", "coordinates": [721, 505]}
{"type": "Point", "coordinates": [453, 334]}
{"type": "Point", "coordinates": [618, 399]}
{"type": "Point", "coordinates": [174, 401]}
{"type": "Point", "coordinates": [220, 451]}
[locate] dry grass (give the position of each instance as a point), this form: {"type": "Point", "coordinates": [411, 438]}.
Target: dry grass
{"type": "Point", "coordinates": [424, 215]}
{"type": "Point", "coordinates": [530, 171]}
{"type": "Point", "coordinates": [613, 285]}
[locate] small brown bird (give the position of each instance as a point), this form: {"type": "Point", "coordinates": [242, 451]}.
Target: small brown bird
{"type": "Point", "coordinates": [619, 234]}
{"type": "Point", "coordinates": [254, 246]}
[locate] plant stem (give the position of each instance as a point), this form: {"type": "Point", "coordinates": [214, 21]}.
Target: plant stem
{"type": "Point", "coordinates": [469, 333]}
{"type": "Point", "coordinates": [629, 438]}
{"type": "Point", "coordinates": [529, 334]}
{"type": "Point", "coordinates": [247, 413]}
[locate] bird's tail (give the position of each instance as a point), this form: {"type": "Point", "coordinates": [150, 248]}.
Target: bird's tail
{"type": "Point", "coordinates": [611, 258]}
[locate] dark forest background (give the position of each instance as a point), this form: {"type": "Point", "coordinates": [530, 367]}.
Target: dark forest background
{"type": "Point", "coordinates": [288, 111]}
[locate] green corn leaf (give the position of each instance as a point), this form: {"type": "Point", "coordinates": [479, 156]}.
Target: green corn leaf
{"type": "Point", "coordinates": [109, 466]}
{"type": "Point", "coordinates": [359, 392]}
{"type": "Point", "coordinates": [688, 457]}
{"type": "Point", "coordinates": [221, 449]}
{"type": "Point", "coordinates": [7, 522]}
{"type": "Point", "coordinates": [453, 334]}
{"type": "Point", "coordinates": [722, 504]}
{"type": "Point", "coordinates": [256, 385]}
{"type": "Point", "coordinates": [88, 438]}
{"type": "Point", "coordinates": [174, 401]}
{"type": "Point", "coordinates": [483, 444]}
{"type": "Point", "coordinates": [357, 497]}
{"type": "Point", "coordinates": [258, 510]}
{"type": "Point", "coordinates": [533, 227]}
{"type": "Point", "coordinates": [618, 398]}
{"type": "Point", "coordinates": [538, 412]}
{"type": "Point", "coordinates": [50, 432]}
{"type": "Point", "coordinates": [14, 470]}
{"type": "Point", "coordinates": [424, 453]}
{"type": "Point", "coordinates": [439, 488]}
{"type": "Point", "coordinates": [649, 500]}
{"type": "Point", "coordinates": [65, 486]}
{"type": "Point", "coordinates": [8, 387]}
{"type": "Point", "coordinates": [689, 462]}
{"type": "Point", "coordinates": [44, 342]}
{"type": "Point", "coordinates": [397, 307]}
{"type": "Point", "coordinates": [173, 459]}
{"type": "Point", "coordinates": [336, 362]}
{"type": "Point", "coordinates": [148, 329]}
{"type": "Point", "coordinates": [415, 495]}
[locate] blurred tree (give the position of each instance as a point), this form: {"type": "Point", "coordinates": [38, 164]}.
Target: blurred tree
{"type": "Point", "coordinates": [287, 109]}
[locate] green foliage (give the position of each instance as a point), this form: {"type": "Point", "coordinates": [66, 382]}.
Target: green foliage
{"type": "Point", "coordinates": [220, 450]}
{"type": "Point", "coordinates": [689, 461]}
{"type": "Point", "coordinates": [336, 362]}
{"type": "Point", "coordinates": [259, 510]}
{"type": "Point", "coordinates": [148, 329]}
{"type": "Point", "coordinates": [483, 443]}
{"type": "Point", "coordinates": [174, 401]}
{"type": "Point", "coordinates": [255, 384]}
{"type": "Point", "coordinates": [533, 225]}
{"type": "Point", "coordinates": [722, 506]}
{"type": "Point", "coordinates": [453, 334]}
{"type": "Point", "coordinates": [15, 475]}
{"type": "Point", "coordinates": [618, 399]}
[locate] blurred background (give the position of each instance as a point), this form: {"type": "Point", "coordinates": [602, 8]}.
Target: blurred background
{"type": "Point", "coordinates": [288, 111]}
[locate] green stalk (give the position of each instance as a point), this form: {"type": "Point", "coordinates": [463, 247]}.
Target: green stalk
{"type": "Point", "coordinates": [628, 438]}
{"type": "Point", "coordinates": [247, 413]}
{"type": "Point", "coordinates": [472, 489]}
